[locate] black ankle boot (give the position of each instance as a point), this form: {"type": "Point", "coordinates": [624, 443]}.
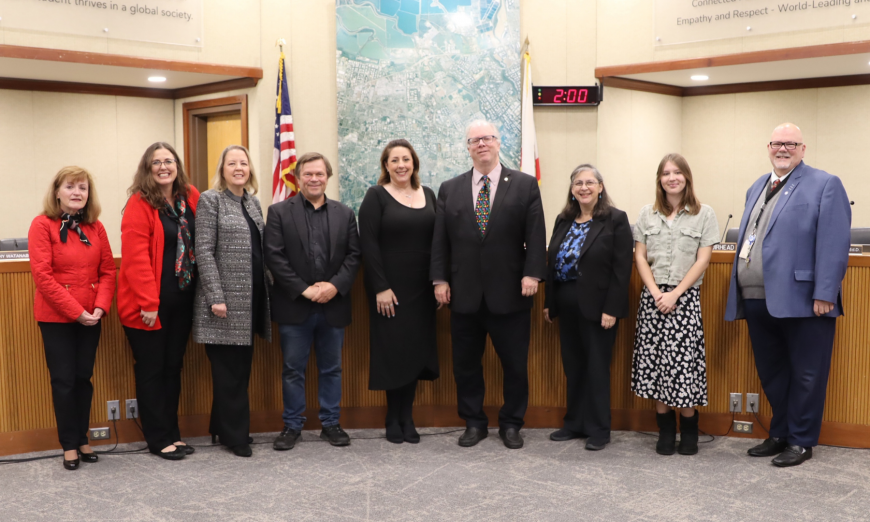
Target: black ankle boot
{"type": "Point", "coordinates": [688, 435]}
{"type": "Point", "coordinates": [394, 429]}
{"type": "Point", "coordinates": [667, 433]}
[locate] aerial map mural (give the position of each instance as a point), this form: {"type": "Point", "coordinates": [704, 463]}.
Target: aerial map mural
{"type": "Point", "coordinates": [422, 70]}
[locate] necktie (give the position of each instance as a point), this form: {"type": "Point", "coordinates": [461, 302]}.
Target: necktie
{"type": "Point", "coordinates": [775, 184]}
{"type": "Point", "coordinates": [481, 207]}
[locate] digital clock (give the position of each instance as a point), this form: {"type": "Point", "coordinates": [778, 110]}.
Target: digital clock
{"type": "Point", "coordinates": [570, 95]}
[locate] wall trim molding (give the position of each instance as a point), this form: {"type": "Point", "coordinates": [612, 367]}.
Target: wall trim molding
{"type": "Point", "coordinates": [372, 417]}
{"type": "Point", "coordinates": [736, 88]}
{"type": "Point", "coordinates": [19, 84]}
{"type": "Point", "coordinates": [118, 60]}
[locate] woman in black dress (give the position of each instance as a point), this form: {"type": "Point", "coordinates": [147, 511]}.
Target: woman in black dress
{"type": "Point", "coordinates": [397, 220]}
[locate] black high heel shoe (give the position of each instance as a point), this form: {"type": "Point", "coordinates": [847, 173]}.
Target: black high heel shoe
{"type": "Point", "coordinates": [89, 457]}
{"type": "Point", "coordinates": [71, 465]}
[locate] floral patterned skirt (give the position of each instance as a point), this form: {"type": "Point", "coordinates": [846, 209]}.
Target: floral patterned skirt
{"type": "Point", "coordinates": [669, 362]}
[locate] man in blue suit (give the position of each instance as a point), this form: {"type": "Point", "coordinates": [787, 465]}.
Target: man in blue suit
{"type": "Point", "coordinates": [794, 248]}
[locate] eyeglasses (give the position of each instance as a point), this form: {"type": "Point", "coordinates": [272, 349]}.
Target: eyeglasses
{"type": "Point", "coordinates": [309, 175]}
{"type": "Point", "coordinates": [789, 145]}
{"type": "Point", "coordinates": [590, 183]}
{"type": "Point", "coordinates": [158, 163]}
{"type": "Point", "coordinates": [486, 139]}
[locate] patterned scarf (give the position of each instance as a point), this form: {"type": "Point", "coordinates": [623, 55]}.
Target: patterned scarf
{"type": "Point", "coordinates": [71, 222]}
{"type": "Point", "coordinates": [184, 257]}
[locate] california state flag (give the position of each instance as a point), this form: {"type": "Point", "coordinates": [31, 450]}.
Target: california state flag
{"type": "Point", "coordinates": [529, 162]}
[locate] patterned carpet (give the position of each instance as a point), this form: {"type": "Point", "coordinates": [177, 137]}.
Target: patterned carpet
{"type": "Point", "coordinates": [437, 480]}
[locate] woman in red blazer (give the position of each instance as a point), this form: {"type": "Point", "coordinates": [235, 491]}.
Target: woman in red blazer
{"type": "Point", "coordinates": [156, 290]}
{"type": "Point", "coordinates": [72, 266]}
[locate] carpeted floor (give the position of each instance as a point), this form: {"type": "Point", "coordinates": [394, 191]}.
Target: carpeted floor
{"type": "Point", "coordinates": [437, 480]}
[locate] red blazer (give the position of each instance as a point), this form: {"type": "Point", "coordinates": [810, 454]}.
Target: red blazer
{"type": "Point", "coordinates": [70, 277]}
{"type": "Point", "coordinates": [142, 260]}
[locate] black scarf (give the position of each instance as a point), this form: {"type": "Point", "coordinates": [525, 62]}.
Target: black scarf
{"type": "Point", "coordinates": [71, 222]}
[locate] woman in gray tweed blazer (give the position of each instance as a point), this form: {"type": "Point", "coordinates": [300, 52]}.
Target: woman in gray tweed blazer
{"type": "Point", "coordinates": [232, 299]}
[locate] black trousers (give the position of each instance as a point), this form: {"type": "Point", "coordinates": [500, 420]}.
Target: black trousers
{"type": "Point", "coordinates": [230, 375]}
{"type": "Point", "coordinates": [793, 358]}
{"type": "Point", "coordinates": [510, 334]}
{"type": "Point", "coordinates": [70, 352]}
{"type": "Point", "coordinates": [158, 356]}
{"type": "Point", "coordinates": [587, 349]}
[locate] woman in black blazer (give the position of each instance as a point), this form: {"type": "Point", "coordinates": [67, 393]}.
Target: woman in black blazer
{"type": "Point", "coordinates": [588, 270]}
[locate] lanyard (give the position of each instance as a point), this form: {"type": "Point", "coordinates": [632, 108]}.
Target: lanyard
{"type": "Point", "coordinates": [747, 245]}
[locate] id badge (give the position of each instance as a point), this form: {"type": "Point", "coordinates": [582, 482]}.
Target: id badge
{"type": "Point", "coordinates": [747, 246]}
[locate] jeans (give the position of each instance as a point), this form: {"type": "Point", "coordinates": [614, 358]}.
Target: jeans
{"type": "Point", "coordinates": [296, 342]}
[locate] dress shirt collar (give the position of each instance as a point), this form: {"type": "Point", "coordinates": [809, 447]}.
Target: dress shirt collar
{"type": "Point", "coordinates": [310, 205]}
{"type": "Point", "coordinates": [774, 177]}
{"type": "Point", "coordinates": [494, 174]}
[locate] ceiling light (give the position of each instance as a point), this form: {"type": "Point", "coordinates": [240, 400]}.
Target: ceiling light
{"type": "Point", "coordinates": [156, 79]}
{"type": "Point", "coordinates": [700, 77]}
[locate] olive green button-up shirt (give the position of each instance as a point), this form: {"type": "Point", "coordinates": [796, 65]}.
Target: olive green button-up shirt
{"type": "Point", "coordinates": [671, 249]}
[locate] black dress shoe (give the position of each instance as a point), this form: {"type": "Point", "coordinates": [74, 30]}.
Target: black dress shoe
{"type": "Point", "coordinates": [89, 457]}
{"type": "Point", "coordinates": [770, 447]}
{"type": "Point", "coordinates": [242, 450]}
{"type": "Point", "coordinates": [335, 435]}
{"type": "Point", "coordinates": [71, 465]}
{"type": "Point", "coordinates": [511, 438]}
{"type": "Point", "coordinates": [472, 436]}
{"type": "Point", "coordinates": [597, 443]}
{"type": "Point", "coordinates": [792, 456]}
{"type": "Point", "coordinates": [188, 449]}
{"type": "Point", "coordinates": [215, 439]}
{"type": "Point", "coordinates": [177, 454]}
{"type": "Point", "coordinates": [286, 440]}
{"type": "Point", "coordinates": [409, 431]}
{"type": "Point", "coordinates": [566, 434]}
{"type": "Point", "coordinates": [394, 433]}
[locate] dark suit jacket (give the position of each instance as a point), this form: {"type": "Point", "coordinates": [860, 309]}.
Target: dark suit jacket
{"type": "Point", "coordinates": [493, 266]}
{"type": "Point", "coordinates": [286, 252]}
{"type": "Point", "coordinates": [603, 268]}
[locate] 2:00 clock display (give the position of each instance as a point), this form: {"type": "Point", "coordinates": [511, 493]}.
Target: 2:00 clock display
{"type": "Point", "coordinates": [567, 95]}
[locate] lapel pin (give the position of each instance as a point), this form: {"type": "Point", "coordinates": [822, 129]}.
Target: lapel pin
{"type": "Point", "coordinates": [505, 178]}
{"type": "Point", "coordinates": [786, 193]}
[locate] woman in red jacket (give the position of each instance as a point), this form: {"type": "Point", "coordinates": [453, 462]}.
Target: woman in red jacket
{"type": "Point", "coordinates": [72, 266]}
{"type": "Point", "coordinates": [156, 290]}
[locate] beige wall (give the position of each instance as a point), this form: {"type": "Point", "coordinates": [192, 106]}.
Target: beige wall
{"type": "Point", "coordinates": [724, 140]}
{"type": "Point", "coordinates": [42, 132]}
{"type": "Point", "coordinates": [722, 136]}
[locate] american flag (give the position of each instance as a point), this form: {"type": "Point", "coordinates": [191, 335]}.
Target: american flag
{"type": "Point", "coordinates": [284, 152]}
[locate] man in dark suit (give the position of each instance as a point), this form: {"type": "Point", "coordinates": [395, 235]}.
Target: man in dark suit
{"type": "Point", "coordinates": [786, 283]}
{"type": "Point", "coordinates": [488, 255]}
{"type": "Point", "coordinates": [312, 249]}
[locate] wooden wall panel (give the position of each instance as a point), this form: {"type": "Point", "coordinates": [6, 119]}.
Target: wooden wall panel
{"type": "Point", "coordinates": [25, 396]}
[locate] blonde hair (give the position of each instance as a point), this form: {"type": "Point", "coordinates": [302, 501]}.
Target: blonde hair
{"type": "Point", "coordinates": [51, 204]}
{"type": "Point", "coordinates": [220, 184]}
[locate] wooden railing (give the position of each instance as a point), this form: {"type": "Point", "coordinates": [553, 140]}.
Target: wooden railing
{"type": "Point", "coordinates": [27, 416]}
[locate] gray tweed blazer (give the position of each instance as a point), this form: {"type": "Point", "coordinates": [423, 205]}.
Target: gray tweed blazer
{"type": "Point", "coordinates": [223, 254]}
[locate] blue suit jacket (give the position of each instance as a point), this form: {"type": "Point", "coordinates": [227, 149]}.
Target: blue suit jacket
{"type": "Point", "coordinates": [806, 246]}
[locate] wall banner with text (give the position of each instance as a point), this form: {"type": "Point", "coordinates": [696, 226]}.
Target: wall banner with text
{"type": "Point", "coordinates": [177, 22]}
{"type": "Point", "coordinates": [683, 21]}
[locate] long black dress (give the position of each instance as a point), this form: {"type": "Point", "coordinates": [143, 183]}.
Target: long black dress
{"type": "Point", "coordinates": [396, 245]}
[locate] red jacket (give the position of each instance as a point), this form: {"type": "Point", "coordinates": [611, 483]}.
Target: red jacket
{"type": "Point", "coordinates": [70, 277]}
{"type": "Point", "coordinates": [142, 260]}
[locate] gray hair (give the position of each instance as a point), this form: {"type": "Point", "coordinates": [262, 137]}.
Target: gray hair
{"type": "Point", "coordinates": [590, 168]}
{"type": "Point", "coordinates": [481, 123]}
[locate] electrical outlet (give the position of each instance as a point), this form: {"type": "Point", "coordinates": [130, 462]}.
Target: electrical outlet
{"type": "Point", "coordinates": [113, 410]}
{"type": "Point", "coordinates": [100, 433]}
{"type": "Point", "coordinates": [736, 403]}
{"type": "Point", "coordinates": [132, 409]}
{"type": "Point", "coordinates": [742, 427]}
{"type": "Point", "coordinates": [752, 403]}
